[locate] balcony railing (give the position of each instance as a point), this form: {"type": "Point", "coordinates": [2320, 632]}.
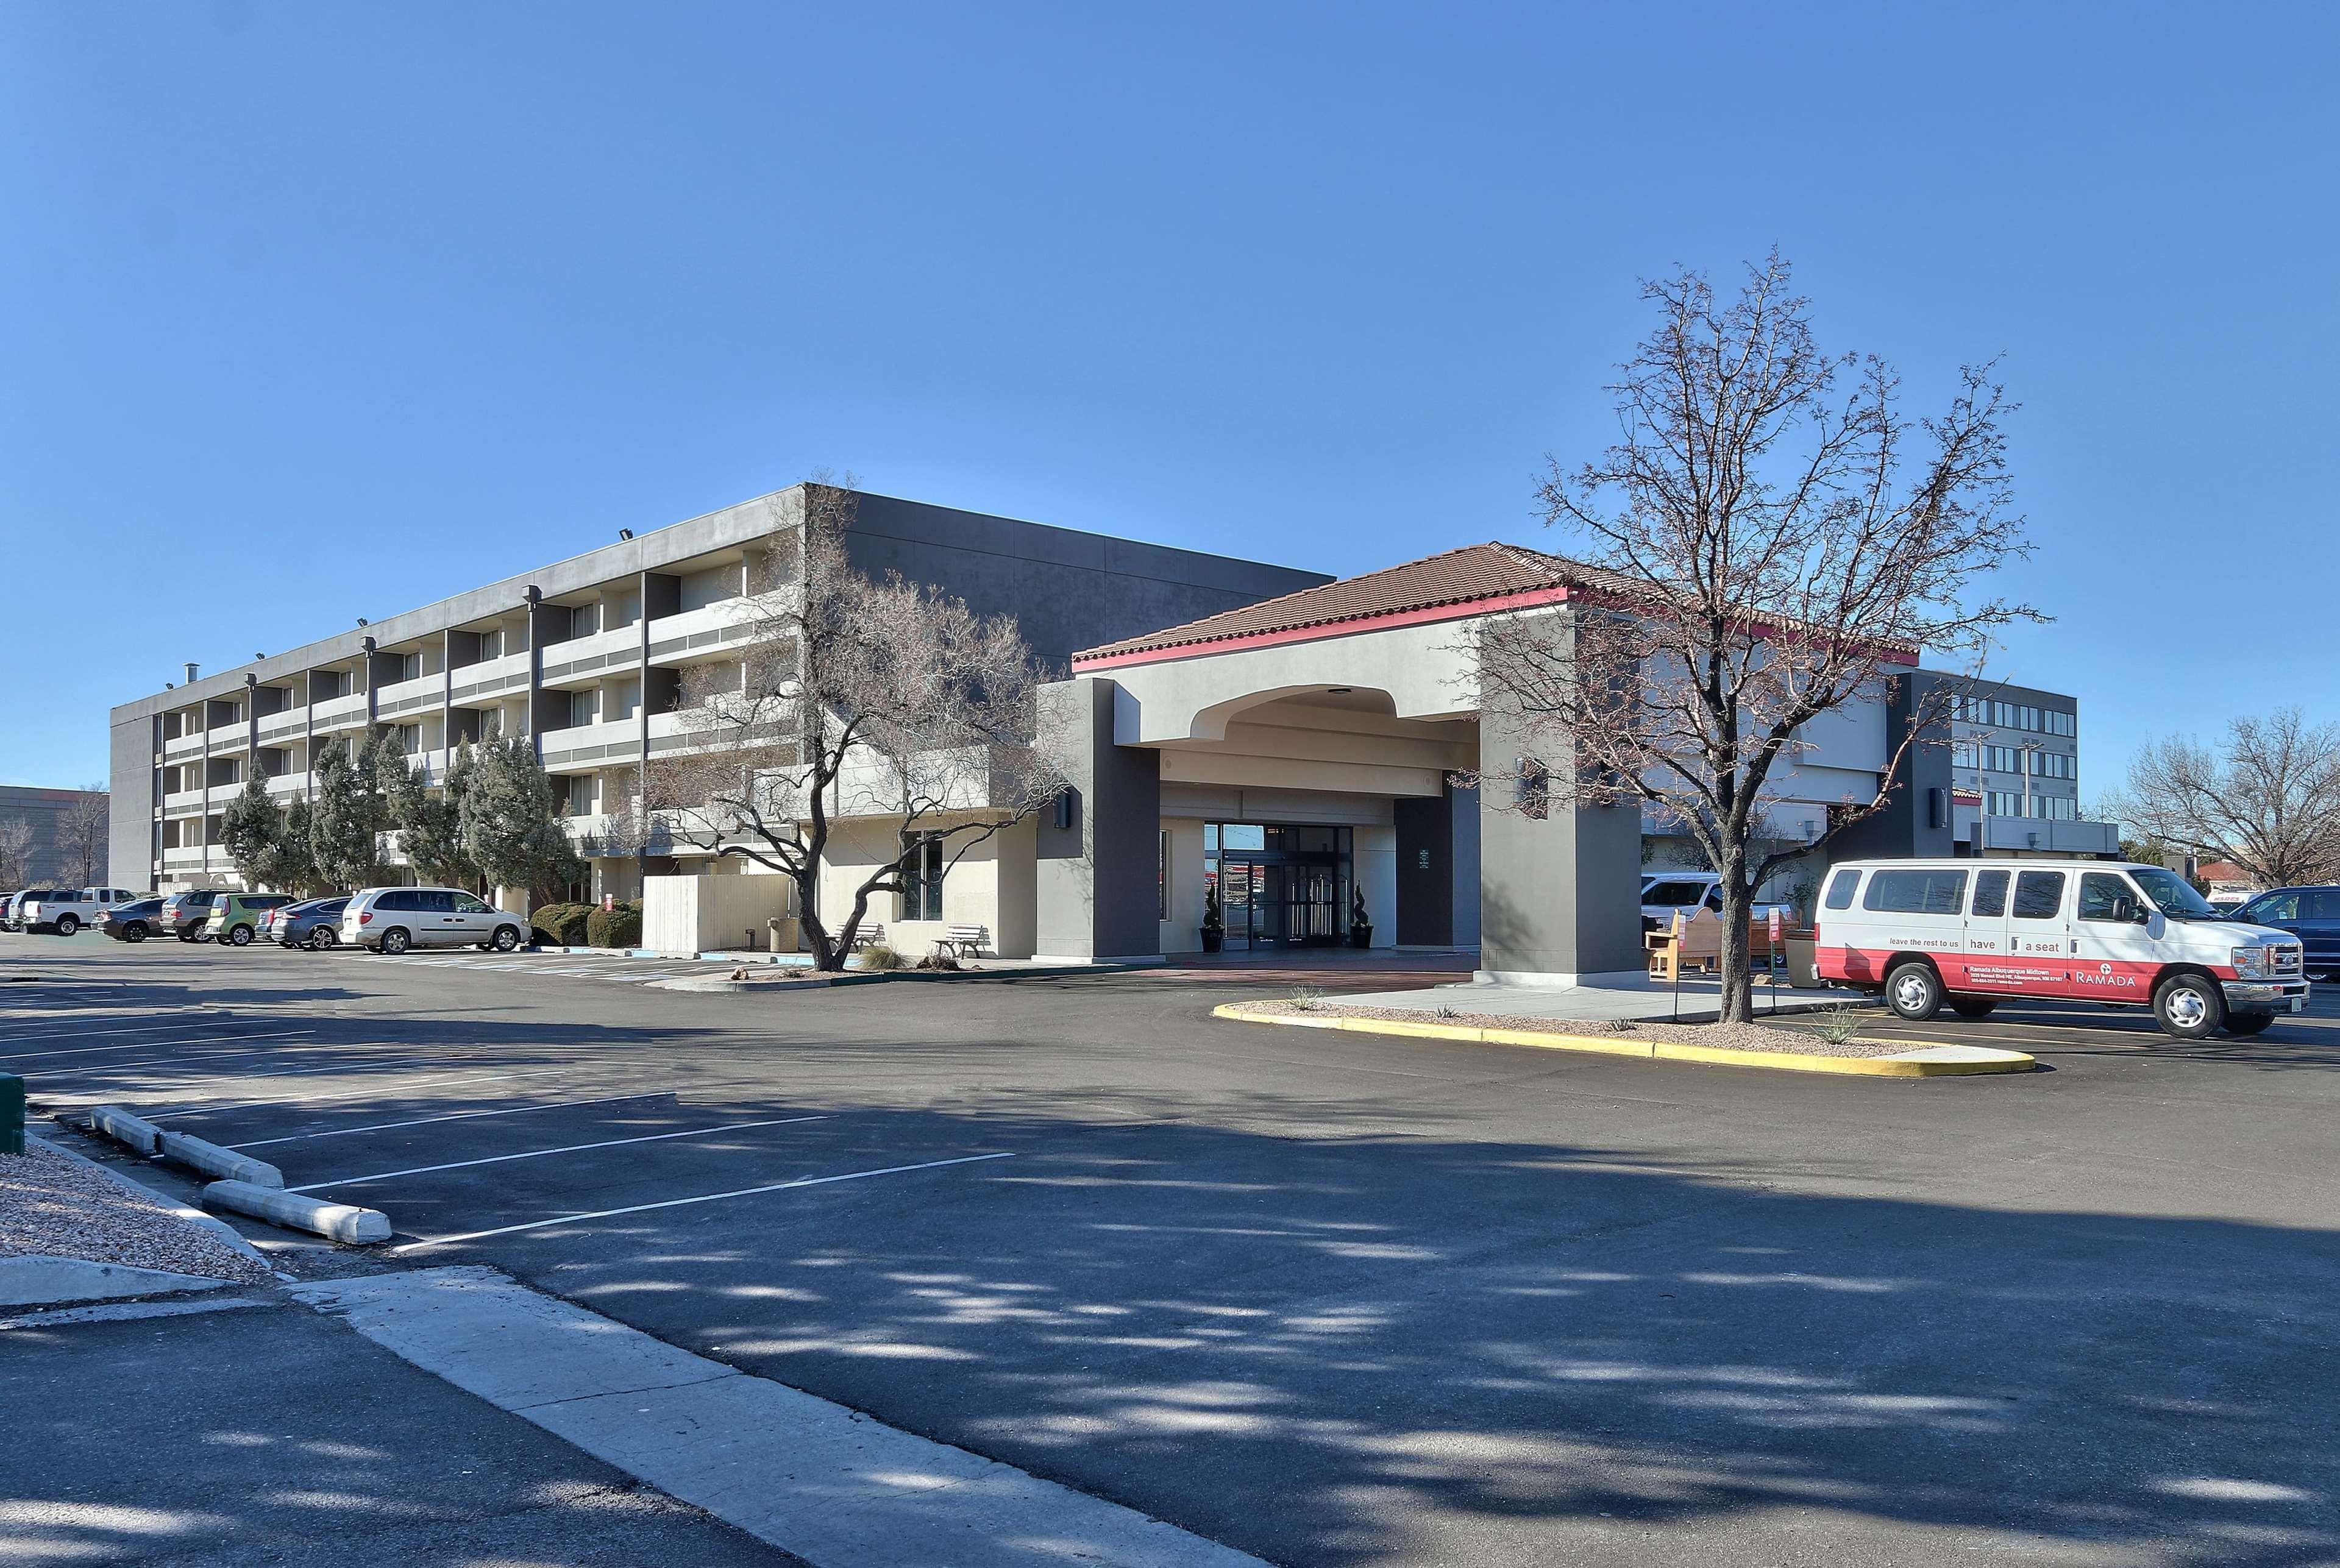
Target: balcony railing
{"type": "Point", "coordinates": [588, 657]}
{"type": "Point", "coordinates": [421, 694]}
{"type": "Point", "coordinates": [581, 747]}
{"type": "Point", "coordinates": [682, 638]}
{"type": "Point", "coordinates": [184, 747]}
{"type": "Point", "coordinates": [338, 712]}
{"type": "Point", "coordinates": [469, 684]}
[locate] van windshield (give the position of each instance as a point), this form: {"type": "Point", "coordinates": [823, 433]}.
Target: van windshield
{"type": "Point", "coordinates": [2173, 895]}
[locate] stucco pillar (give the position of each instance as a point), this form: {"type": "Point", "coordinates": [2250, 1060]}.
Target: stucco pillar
{"type": "Point", "coordinates": [1560, 893]}
{"type": "Point", "coordinates": [1095, 852]}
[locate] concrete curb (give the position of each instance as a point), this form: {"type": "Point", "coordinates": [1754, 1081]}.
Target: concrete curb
{"type": "Point", "coordinates": [1925, 1061]}
{"type": "Point", "coordinates": [881, 977]}
{"type": "Point", "coordinates": [44, 1280]}
{"type": "Point", "coordinates": [334, 1221]}
{"type": "Point", "coordinates": [227, 1233]}
{"type": "Point", "coordinates": [202, 1155]}
{"type": "Point", "coordinates": [111, 1121]}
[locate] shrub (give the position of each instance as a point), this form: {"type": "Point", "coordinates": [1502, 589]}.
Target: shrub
{"type": "Point", "coordinates": [619, 927]}
{"type": "Point", "coordinates": [561, 924]}
{"type": "Point", "coordinates": [1305, 998]}
{"type": "Point", "coordinates": [878, 956]}
{"type": "Point", "coordinates": [942, 961]}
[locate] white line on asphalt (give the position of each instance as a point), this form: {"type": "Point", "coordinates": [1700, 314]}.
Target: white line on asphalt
{"type": "Point", "coordinates": [681, 1202]}
{"type": "Point", "coordinates": [270, 1053]}
{"type": "Point", "coordinates": [361, 1059]}
{"type": "Point", "coordinates": [470, 1115]}
{"type": "Point", "coordinates": [159, 1044]}
{"type": "Point", "coordinates": [381, 1089]}
{"type": "Point", "coordinates": [54, 1033]}
{"type": "Point", "coordinates": [540, 1153]}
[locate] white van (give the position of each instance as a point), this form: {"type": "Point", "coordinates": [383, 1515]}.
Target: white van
{"type": "Point", "coordinates": [1971, 932]}
{"type": "Point", "coordinates": [1665, 894]}
{"type": "Point", "coordinates": [394, 919]}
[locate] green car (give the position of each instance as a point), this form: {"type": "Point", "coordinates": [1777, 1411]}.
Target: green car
{"type": "Point", "coordinates": [236, 916]}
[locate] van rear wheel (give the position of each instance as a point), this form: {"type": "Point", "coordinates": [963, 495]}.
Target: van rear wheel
{"type": "Point", "coordinates": [2189, 1007]}
{"type": "Point", "coordinates": [2246, 1024]}
{"type": "Point", "coordinates": [1914, 991]}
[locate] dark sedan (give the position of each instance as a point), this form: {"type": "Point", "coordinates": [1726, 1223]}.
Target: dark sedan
{"type": "Point", "coordinates": [315, 925]}
{"type": "Point", "coordinates": [132, 922]}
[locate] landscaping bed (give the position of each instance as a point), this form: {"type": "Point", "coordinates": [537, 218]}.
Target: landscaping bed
{"type": "Point", "coordinates": [1768, 1037]}
{"type": "Point", "coordinates": [54, 1204]}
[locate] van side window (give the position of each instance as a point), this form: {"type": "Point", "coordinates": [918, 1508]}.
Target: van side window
{"type": "Point", "coordinates": [2099, 890]}
{"type": "Point", "coordinates": [2039, 895]}
{"type": "Point", "coordinates": [1917, 892]}
{"type": "Point", "coordinates": [1840, 886]}
{"type": "Point", "coordinates": [1990, 893]}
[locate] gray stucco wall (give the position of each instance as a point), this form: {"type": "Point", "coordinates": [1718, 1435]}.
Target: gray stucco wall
{"type": "Point", "coordinates": [44, 810]}
{"type": "Point", "coordinates": [1068, 590]}
{"type": "Point", "coordinates": [131, 827]}
{"type": "Point", "coordinates": [1095, 876]}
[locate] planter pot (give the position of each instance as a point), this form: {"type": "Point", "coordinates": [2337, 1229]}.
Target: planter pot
{"type": "Point", "coordinates": [1803, 962]}
{"type": "Point", "coordinates": [1361, 936]}
{"type": "Point", "coordinates": [1214, 938]}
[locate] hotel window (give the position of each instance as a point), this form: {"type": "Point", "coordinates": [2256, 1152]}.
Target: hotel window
{"type": "Point", "coordinates": [922, 878]}
{"type": "Point", "coordinates": [2002, 803]}
{"type": "Point", "coordinates": [1964, 755]}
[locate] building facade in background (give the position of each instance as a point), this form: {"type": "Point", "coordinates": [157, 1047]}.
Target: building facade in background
{"type": "Point", "coordinates": [66, 836]}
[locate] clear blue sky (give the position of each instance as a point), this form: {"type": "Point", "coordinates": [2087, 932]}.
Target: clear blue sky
{"type": "Point", "coordinates": [316, 312]}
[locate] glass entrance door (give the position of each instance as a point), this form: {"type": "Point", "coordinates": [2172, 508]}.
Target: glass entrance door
{"type": "Point", "coordinates": [1278, 886]}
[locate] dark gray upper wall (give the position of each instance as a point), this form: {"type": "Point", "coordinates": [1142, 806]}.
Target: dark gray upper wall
{"type": "Point", "coordinates": [131, 827]}
{"type": "Point", "coordinates": [1916, 817]}
{"type": "Point", "coordinates": [1068, 590]}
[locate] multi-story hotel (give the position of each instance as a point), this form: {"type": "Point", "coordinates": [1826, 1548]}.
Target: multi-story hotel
{"type": "Point", "coordinates": [588, 656]}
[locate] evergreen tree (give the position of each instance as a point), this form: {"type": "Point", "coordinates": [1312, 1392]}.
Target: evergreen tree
{"type": "Point", "coordinates": [248, 832]}
{"type": "Point", "coordinates": [344, 823]}
{"type": "Point", "coordinates": [510, 831]}
{"type": "Point", "coordinates": [428, 826]}
{"type": "Point", "coordinates": [292, 859]}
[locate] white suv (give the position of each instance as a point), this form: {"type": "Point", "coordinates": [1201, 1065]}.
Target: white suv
{"type": "Point", "coordinates": [392, 919]}
{"type": "Point", "coordinates": [66, 910]}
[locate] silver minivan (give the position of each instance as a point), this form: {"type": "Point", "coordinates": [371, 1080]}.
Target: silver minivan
{"type": "Point", "coordinates": [394, 919]}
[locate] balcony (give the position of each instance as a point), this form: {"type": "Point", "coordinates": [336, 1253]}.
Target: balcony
{"type": "Point", "coordinates": [580, 748]}
{"type": "Point", "coordinates": [469, 685]}
{"type": "Point", "coordinates": [288, 785]}
{"type": "Point", "coordinates": [183, 746]}
{"type": "Point", "coordinates": [580, 661]}
{"type": "Point", "coordinates": [185, 802]}
{"type": "Point", "coordinates": [424, 692]}
{"type": "Point", "coordinates": [338, 712]}
{"type": "Point", "coordinates": [284, 726]}
{"type": "Point", "coordinates": [686, 638]}
{"type": "Point", "coordinates": [184, 859]}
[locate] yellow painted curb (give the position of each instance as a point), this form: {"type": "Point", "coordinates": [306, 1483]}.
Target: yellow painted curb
{"type": "Point", "coordinates": [1656, 1051]}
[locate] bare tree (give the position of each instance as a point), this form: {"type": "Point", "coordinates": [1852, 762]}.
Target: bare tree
{"type": "Point", "coordinates": [2268, 799]}
{"type": "Point", "coordinates": [82, 831]}
{"type": "Point", "coordinates": [855, 702]}
{"type": "Point", "coordinates": [15, 853]}
{"type": "Point", "coordinates": [1769, 540]}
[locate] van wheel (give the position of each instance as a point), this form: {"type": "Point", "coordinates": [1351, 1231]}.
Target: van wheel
{"type": "Point", "coordinates": [2246, 1024]}
{"type": "Point", "coordinates": [394, 942]}
{"type": "Point", "coordinates": [1914, 991]}
{"type": "Point", "coordinates": [507, 938]}
{"type": "Point", "coordinates": [2189, 1007]}
{"type": "Point", "coordinates": [1972, 1006]}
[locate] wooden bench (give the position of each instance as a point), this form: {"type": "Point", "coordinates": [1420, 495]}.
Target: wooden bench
{"type": "Point", "coordinates": [868, 935]}
{"type": "Point", "coordinates": [964, 940]}
{"type": "Point", "coordinates": [1700, 945]}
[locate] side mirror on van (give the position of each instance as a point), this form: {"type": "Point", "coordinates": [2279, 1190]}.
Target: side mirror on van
{"type": "Point", "coordinates": [2125, 913]}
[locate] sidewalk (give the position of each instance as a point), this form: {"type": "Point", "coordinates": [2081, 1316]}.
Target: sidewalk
{"type": "Point", "coordinates": [1698, 1000]}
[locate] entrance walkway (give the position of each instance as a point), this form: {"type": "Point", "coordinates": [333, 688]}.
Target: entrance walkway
{"type": "Point", "coordinates": [1329, 966]}
{"type": "Point", "coordinates": [1698, 1000]}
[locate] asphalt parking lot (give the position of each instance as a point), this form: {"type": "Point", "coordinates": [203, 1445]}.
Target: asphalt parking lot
{"type": "Point", "coordinates": [1335, 1297]}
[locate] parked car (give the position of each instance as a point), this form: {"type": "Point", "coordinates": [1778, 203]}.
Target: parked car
{"type": "Point", "coordinates": [315, 923]}
{"type": "Point", "coordinates": [185, 913]}
{"type": "Point", "coordinates": [1663, 893]}
{"type": "Point", "coordinates": [66, 909]}
{"type": "Point", "coordinates": [394, 919]}
{"type": "Point", "coordinates": [2310, 914]}
{"type": "Point", "coordinates": [1926, 932]}
{"type": "Point", "coordinates": [236, 916]}
{"type": "Point", "coordinates": [132, 922]}
{"type": "Point", "coordinates": [8, 902]}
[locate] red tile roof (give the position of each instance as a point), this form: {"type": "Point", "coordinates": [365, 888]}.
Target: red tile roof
{"type": "Point", "coordinates": [1463, 577]}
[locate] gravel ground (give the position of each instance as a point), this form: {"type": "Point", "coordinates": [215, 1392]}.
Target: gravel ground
{"type": "Point", "coordinates": [52, 1204]}
{"type": "Point", "coordinates": [1728, 1036]}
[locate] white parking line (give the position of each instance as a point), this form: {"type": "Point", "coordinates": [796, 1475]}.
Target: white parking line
{"type": "Point", "coordinates": [682, 1202]}
{"type": "Point", "coordinates": [159, 1044]}
{"type": "Point", "coordinates": [472, 1115]}
{"type": "Point", "coordinates": [359, 1094]}
{"type": "Point", "coordinates": [540, 1153]}
{"type": "Point", "coordinates": [350, 1064]}
{"type": "Point", "coordinates": [54, 1033]}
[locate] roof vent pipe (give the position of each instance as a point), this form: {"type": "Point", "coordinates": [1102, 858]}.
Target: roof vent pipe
{"type": "Point", "coordinates": [190, 675]}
